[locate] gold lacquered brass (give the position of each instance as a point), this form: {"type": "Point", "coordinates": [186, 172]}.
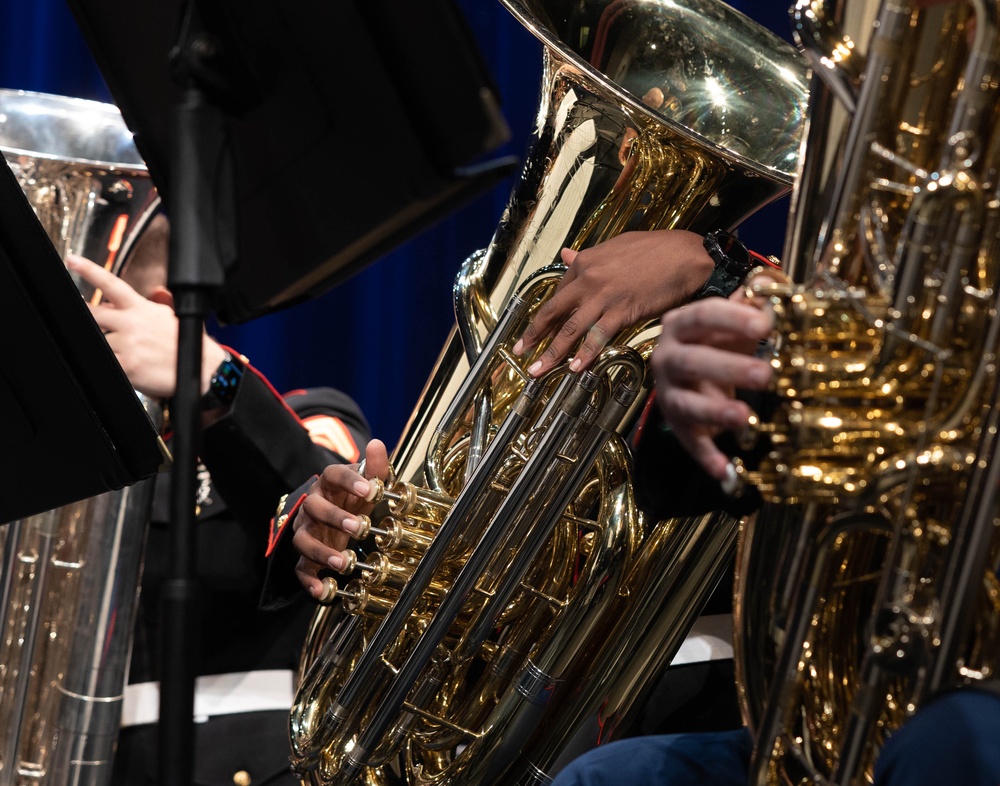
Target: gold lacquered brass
{"type": "Point", "coordinates": [869, 580]}
{"type": "Point", "coordinates": [530, 576]}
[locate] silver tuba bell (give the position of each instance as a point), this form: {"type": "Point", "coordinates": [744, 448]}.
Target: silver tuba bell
{"type": "Point", "coordinates": [70, 576]}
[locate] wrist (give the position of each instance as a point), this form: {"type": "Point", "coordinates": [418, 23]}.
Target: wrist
{"type": "Point", "coordinates": [223, 382]}
{"type": "Point", "coordinates": [212, 356]}
{"type": "Point", "coordinates": [732, 264]}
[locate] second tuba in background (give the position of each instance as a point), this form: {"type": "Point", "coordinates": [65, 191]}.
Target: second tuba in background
{"type": "Point", "coordinates": [869, 581]}
{"type": "Point", "coordinates": [69, 577]}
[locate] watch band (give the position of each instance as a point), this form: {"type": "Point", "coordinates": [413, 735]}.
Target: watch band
{"type": "Point", "coordinates": [732, 263]}
{"type": "Point", "coordinates": [225, 381]}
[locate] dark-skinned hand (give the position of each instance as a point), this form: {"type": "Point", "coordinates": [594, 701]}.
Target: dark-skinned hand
{"type": "Point", "coordinates": [628, 279]}
{"type": "Point", "coordinates": [325, 522]}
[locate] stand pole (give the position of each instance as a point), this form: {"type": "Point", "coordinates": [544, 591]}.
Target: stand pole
{"type": "Point", "coordinates": [199, 236]}
{"type": "Point", "coordinates": [181, 624]}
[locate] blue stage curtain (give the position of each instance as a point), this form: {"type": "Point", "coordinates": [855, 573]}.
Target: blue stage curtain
{"type": "Point", "coordinates": [376, 336]}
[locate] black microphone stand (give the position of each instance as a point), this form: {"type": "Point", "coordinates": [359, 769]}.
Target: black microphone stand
{"type": "Point", "coordinates": [202, 240]}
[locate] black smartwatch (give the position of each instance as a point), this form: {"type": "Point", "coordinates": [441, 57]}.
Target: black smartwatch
{"type": "Point", "coordinates": [732, 263]}
{"type": "Point", "coordinates": [225, 381]}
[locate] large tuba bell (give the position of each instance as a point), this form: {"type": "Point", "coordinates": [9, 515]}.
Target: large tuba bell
{"type": "Point", "coordinates": [70, 576]}
{"type": "Point", "coordinates": [477, 632]}
{"type": "Point", "coordinates": [869, 580]}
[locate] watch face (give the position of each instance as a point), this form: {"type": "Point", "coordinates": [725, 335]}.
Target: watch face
{"type": "Point", "coordinates": [226, 380]}
{"type": "Point", "coordinates": [730, 253]}
{"type": "Point", "coordinates": [223, 385]}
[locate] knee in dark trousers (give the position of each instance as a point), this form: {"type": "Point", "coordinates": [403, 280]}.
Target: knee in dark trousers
{"type": "Point", "coordinates": [953, 739]}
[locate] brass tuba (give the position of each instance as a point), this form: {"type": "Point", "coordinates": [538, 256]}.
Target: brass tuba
{"type": "Point", "coordinates": [70, 576]}
{"type": "Point", "coordinates": [477, 632]}
{"type": "Point", "coordinates": [869, 580]}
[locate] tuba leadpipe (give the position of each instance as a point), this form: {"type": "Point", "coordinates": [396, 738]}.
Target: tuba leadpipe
{"type": "Point", "coordinates": [875, 558]}
{"type": "Point", "coordinates": [513, 496]}
{"type": "Point", "coordinates": [70, 576]}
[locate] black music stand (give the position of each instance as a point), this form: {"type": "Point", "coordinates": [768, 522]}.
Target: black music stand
{"type": "Point", "coordinates": [71, 426]}
{"type": "Point", "coordinates": [293, 143]}
{"type": "Point", "coordinates": [351, 126]}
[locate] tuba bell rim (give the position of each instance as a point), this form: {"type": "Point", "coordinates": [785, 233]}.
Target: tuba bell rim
{"type": "Point", "coordinates": [87, 113]}
{"type": "Point", "coordinates": [793, 72]}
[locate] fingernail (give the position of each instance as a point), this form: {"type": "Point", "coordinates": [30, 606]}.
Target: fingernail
{"type": "Point", "coordinates": [336, 561]}
{"type": "Point", "coordinates": [72, 261]}
{"type": "Point", "coordinates": [349, 525]}
{"type": "Point", "coordinates": [362, 487]}
{"type": "Point", "coordinates": [730, 482]}
{"type": "Point", "coordinates": [518, 347]}
{"type": "Point", "coordinates": [575, 365]}
{"type": "Point", "coordinates": [534, 368]}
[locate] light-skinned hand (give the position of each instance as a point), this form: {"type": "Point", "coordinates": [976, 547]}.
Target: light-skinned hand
{"type": "Point", "coordinates": [142, 332]}
{"type": "Point", "coordinates": [705, 353]}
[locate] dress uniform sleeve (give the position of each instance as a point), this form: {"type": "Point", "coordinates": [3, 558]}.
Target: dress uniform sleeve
{"type": "Point", "coordinates": [265, 445]}
{"type": "Point", "coordinates": [669, 483]}
{"type": "Point", "coordinates": [282, 588]}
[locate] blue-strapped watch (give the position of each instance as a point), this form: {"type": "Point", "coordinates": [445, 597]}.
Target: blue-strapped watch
{"type": "Point", "coordinates": [225, 382]}
{"type": "Point", "coordinates": [732, 264]}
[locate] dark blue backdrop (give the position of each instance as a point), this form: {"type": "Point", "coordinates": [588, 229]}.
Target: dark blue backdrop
{"type": "Point", "coordinates": [376, 336]}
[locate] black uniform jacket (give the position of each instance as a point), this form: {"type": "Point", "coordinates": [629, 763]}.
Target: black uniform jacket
{"type": "Point", "coordinates": [252, 456]}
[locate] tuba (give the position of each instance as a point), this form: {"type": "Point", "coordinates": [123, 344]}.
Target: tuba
{"type": "Point", "coordinates": [488, 607]}
{"type": "Point", "coordinates": [70, 576]}
{"type": "Point", "coordinates": [868, 581]}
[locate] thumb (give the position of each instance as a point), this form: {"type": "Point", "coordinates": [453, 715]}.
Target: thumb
{"type": "Point", "coordinates": [162, 296]}
{"type": "Point", "coordinates": [376, 460]}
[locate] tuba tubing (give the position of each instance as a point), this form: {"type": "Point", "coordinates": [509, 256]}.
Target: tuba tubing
{"type": "Point", "coordinates": [861, 591]}
{"type": "Point", "coordinates": [537, 474]}
{"type": "Point", "coordinates": [523, 486]}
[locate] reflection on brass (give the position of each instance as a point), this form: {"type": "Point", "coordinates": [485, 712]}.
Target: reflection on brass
{"type": "Point", "coordinates": [512, 589]}
{"type": "Point", "coordinates": [866, 583]}
{"type": "Point", "coordinates": [69, 581]}
{"type": "Point", "coordinates": [329, 592]}
{"type": "Point", "coordinates": [242, 778]}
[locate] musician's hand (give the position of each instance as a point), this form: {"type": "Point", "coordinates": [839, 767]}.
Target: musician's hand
{"type": "Point", "coordinates": [325, 522]}
{"type": "Point", "coordinates": [705, 352]}
{"type": "Point", "coordinates": [632, 277]}
{"type": "Point", "coordinates": [142, 332]}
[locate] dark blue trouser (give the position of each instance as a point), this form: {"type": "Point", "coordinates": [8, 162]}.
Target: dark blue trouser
{"type": "Point", "coordinates": [954, 739]}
